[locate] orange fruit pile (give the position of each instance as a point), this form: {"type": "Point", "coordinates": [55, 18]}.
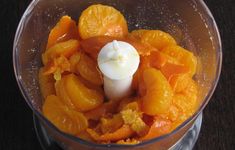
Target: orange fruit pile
{"type": "Point", "coordinates": [165, 94]}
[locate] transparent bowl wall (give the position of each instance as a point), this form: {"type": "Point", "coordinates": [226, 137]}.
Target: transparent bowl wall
{"type": "Point", "coordinates": [189, 21]}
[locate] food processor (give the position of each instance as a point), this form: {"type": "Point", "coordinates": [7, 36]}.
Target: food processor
{"type": "Point", "coordinates": [188, 21]}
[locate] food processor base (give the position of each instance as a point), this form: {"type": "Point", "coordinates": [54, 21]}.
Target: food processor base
{"type": "Point", "coordinates": [187, 142]}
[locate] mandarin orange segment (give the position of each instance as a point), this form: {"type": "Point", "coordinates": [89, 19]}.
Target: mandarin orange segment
{"type": "Point", "coordinates": [109, 125]}
{"type": "Point", "coordinates": [184, 107]}
{"type": "Point", "coordinates": [141, 86]}
{"type": "Point", "coordinates": [187, 100]}
{"type": "Point", "coordinates": [53, 109]}
{"type": "Point", "coordinates": [73, 60]}
{"type": "Point", "coordinates": [66, 120]}
{"type": "Point", "coordinates": [97, 113]}
{"type": "Point", "coordinates": [179, 82]}
{"type": "Point", "coordinates": [106, 108]}
{"type": "Point", "coordinates": [169, 70]}
{"type": "Point", "coordinates": [191, 92]}
{"type": "Point", "coordinates": [93, 45]}
{"type": "Point", "coordinates": [65, 49]}
{"type": "Point", "coordinates": [88, 69]}
{"type": "Point", "coordinates": [180, 101]}
{"type": "Point", "coordinates": [173, 113]}
{"type": "Point", "coordinates": [90, 85]}
{"type": "Point", "coordinates": [64, 30]}
{"type": "Point", "coordinates": [135, 81]}
{"type": "Point", "coordinates": [157, 59]}
{"type": "Point", "coordinates": [138, 33]}
{"type": "Point", "coordinates": [60, 64]}
{"type": "Point", "coordinates": [159, 94]}
{"type": "Point", "coordinates": [158, 39]}
{"type": "Point", "coordinates": [83, 98]}
{"type": "Point", "coordinates": [63, 95]}
{"type": "Point", "coordinates": [94, 135]}
{"type": "Point", "coordinates": [98, 20]}
{"type": "Point", "coordinates": [145, 64]}
{"type": "Point", "coordinates": [159, 127]}
{"type": "Point", "coordinates": [122, 133]}
{"type": "Point", "coordinates": [143, 49]}
{"type": "Point", "coordinates": [85, 136]}
{"type": "Point", "coordinates": [50, 67]}
{"type": "Point", "coordinates": [79, 120]}
{"type": "Point", "coordinates": [46, 83]}
{"type": "Point", "coordinates": [183, 56]}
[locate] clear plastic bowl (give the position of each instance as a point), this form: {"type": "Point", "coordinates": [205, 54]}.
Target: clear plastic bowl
{"type": "Point", "coordinates": [189, 21]}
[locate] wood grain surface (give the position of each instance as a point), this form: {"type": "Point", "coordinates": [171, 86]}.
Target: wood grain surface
{"type": "Point", "coordinates": [16, 124]}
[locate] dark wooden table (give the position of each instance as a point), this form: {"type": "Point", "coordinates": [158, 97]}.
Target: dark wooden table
{"type": "Point", "coordinates": [16, 124]}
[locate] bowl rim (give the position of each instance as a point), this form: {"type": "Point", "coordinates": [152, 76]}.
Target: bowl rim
{"type": "Point", "coordinates": [91, 144]}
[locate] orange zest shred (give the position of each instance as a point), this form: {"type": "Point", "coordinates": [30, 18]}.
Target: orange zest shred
{"type": "Point", "coordinates": [122, 133]}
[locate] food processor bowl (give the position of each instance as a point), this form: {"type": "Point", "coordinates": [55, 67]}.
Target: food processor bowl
{"type": "Point", "coordinates": [188, 21]}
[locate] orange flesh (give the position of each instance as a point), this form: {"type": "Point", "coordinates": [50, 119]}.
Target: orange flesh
{"type": "Point", "coordinates": [46, 83]}
{"type": "Point", "coordinates": [98, 20]}
{"type": "Point", "coordinates": [64, 30]}
{"type": "Point", "coordinates": [164, 92]}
